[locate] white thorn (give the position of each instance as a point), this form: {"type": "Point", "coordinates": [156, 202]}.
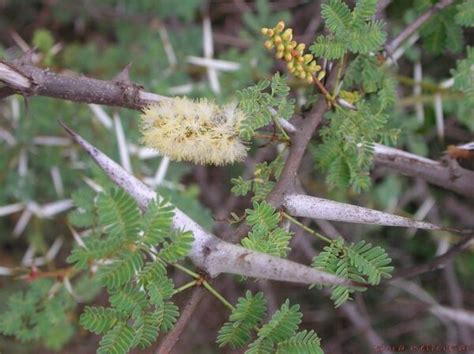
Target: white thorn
{"type": "Point", "coordinates": [54, 249]}
{"type": "Point", "coordinates": [161, 172]}
{"type": "Point", "coordinates": [438, 106]}
{"type": "Point", "coordinates": [57, 181]}
{"type": "Point", "coordinates": [10, 209]}
{"type": "Point", "coordinates": [22, 222]}
{"type": "Point", "coordinates": [101, 116]}
{"type": "Point", "coordinates": [122, 144]}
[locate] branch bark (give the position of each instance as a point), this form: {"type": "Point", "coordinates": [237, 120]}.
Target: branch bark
{"type": "Point", "coordinates": [452, 177]}
{"type": "Point", "coordinates": [172, 337]}
{"type": "Point", "coordinates": [22, 77]}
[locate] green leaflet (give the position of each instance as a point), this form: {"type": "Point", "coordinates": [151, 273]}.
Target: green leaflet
{"type": "Point", "coordinates": [266, 236]}
{"type": "Point", "coordinates": [359, 262]}
{"type": "Point", "coordinates": [248, 312]}
{"type": "Point", "coordinates": [354, 31]}
{"type": "Point", "coordinates": [100, 320]}
{"type": "Point", "coordinates": [301, 342]}
{"type": "Point", "coordinates": [278, 335]}
{"type": "Point", "coordinates": [257, 104]}
{"type": "Point", "coordinates": [139, 292]}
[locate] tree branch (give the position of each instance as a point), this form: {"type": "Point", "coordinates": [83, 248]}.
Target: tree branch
{"type": "Point", "coordinates": [452, 177]}
{"type": "Point", "coordinates": [415, 25]}
{"type": "Point", "coordinates": [24, 78]}
{"type": "Point", "coordinates": [209, 253]}
{"type": "Point", "coordinates": [436, 262]}
{"type": "Point", "coordinates": [172, 337]}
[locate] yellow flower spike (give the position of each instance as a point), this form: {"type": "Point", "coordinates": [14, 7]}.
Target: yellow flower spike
{"type": "Point", "coordinates": [277, 39]}
{"type": "Point", "coordinates": [264, 31]}
{"type": "Point", "coordinates": [288, 56]}
{"type": "Point", "coordinates": [307, 58]}
{"type": "Point", "coordinates": [194, 130]}
{"type": "Point", "coordinates": [300, 47]}
{"type": "Point", "coordinates": [280, 26]}
{"type": "Point", "coordinates": [309, 79]}
{"type": "Point", "coordinates": [290, 66]}
{"type": "Point", "coordinates": [287, 35]}
{"type": "Point", "coordinates": [321, 75]}
{"type": "Point", "coordinates": [280, 48]}
{"type": "Point", "coordinates": [279, 55]}
{"type": "Point", "coordinates": [268, 44]}
{"type": "Point", "coordinates": [302, 75]}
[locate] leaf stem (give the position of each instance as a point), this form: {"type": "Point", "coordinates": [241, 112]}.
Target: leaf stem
{"type": "Point", "coordinates": [217, 295]}
{"type": "Point", "coordinates": [186, 270]}
{"type": "Point", "coordinates": [306, 228]}
{"type": "Point", "coordinates": [277, 123]}
{"type": "Point", "coordinates": [185, 286]}
{"type": "Point", "coordinates": [340, 68]}
{"type": "Point", "coordinates": [323, 90]}
{"type": "Point", "coordinates": [270, 137]}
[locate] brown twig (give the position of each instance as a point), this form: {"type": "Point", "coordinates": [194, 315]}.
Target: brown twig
{"type": "Point", "coordinates": [22, 77]}
{"type": "Point", "coordinates": [448, 175]}
{"type": "Point", "coordinates": [415, 25]}
{"type": "Point", "coordinates": [436, 262]}
{"type": "Point", "coordinates": [172, 337]}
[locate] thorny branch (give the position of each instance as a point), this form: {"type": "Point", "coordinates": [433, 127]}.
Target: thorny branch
{"type": "Point", "coordinates": [209, 253]}
{"type": "Point", "coordinates": [170, 340]}
{"type": "Point", "coordinates": [448, 175]}
{"type": "Point", "coordinates": [22, 77]}
{"type": "Point", "coordinates": [436, 262]}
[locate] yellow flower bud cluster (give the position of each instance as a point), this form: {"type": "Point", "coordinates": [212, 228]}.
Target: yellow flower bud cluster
{"type": "Point", "coordinates": [301, 65]}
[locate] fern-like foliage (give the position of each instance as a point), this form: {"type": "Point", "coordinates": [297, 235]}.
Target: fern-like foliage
{"type": "Point", "coordinates": [347, 150]}
{"type": "Point", "coordinates": [349, 31]}
{"type": "Point", "coordinates": [443, 32]}
{"type": "Point", "coordinates": [359, 262]}
{"type": "Point", "coordinates": [157, 222]}
{"type": "Point", "coordinates": [118, 340]}
{"type": "Point", "coordinates": [100, 320]}
{"type": "Point", "coordinates": [263, 182]}
{"type": "Point", "coordinates": [83, 215]}
{"type": "Point", "coordinates": [140, 291]}
{"type": "Point", "coordinates": [281, 327]}
{"type": "Point", "coordinates": [121, 270]}
{"type": "Point", "coordinates": [257, 104]}
{"type": "Point", "coordinates": [465, 13]}
{"type": "Point", "coordinates": [118, 214]}
{"type": "Point", "coordinates": [248, 312]}
{"type": "Point", "coordinates": [301, 342]}
{"type": "Point", "coordinates": [266, 236]}
{"type": "Point", "coordinates": [346, 153]}
{"type": "Point", "coordinates": [370, 261]}
{"type": "Point", "coordinates": [464, 81]}
{"type": "Point", "coordinates": [37, 314]}
{"type": "Point", "coordinates": [278, 335]}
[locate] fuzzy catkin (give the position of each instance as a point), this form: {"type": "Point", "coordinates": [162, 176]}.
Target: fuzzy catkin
{"type": "Point", "coordinates": [198, 131]}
